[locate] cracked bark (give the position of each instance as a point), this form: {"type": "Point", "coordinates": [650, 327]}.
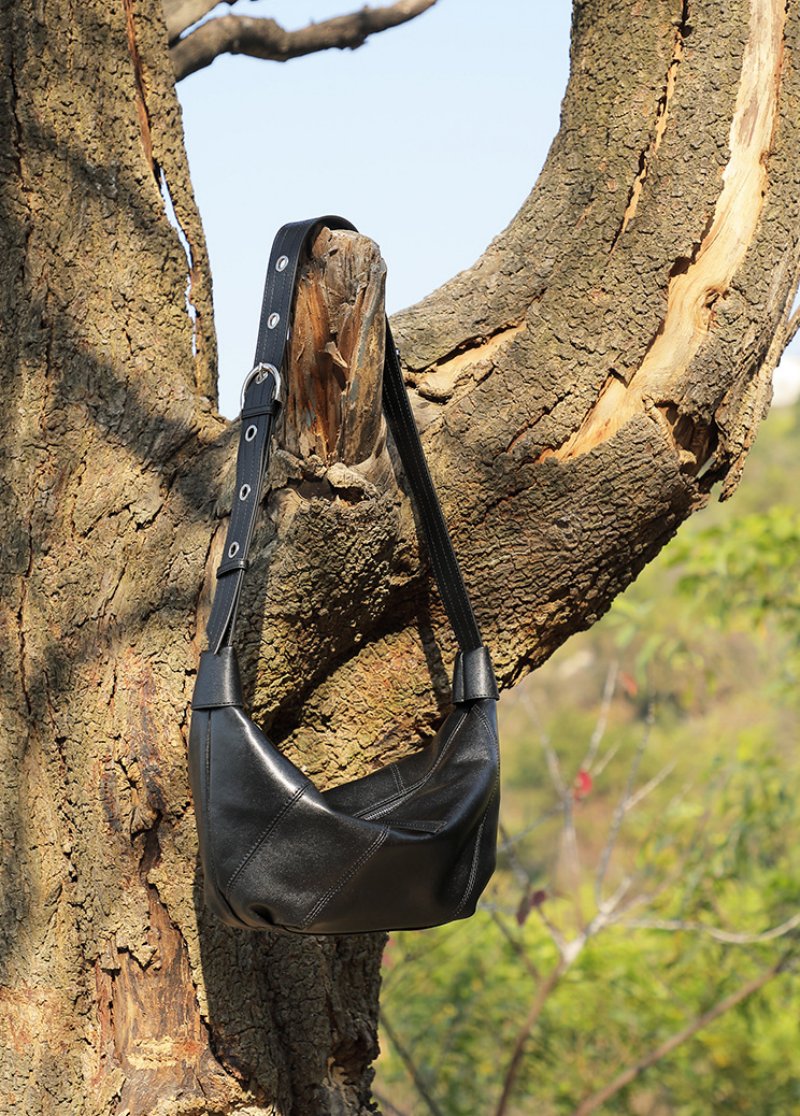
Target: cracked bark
{"type": "Point", "coordinates": [579, 390]}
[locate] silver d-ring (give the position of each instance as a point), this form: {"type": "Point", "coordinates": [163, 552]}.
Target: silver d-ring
{"type": "Point", "coordinates": [259, 373]}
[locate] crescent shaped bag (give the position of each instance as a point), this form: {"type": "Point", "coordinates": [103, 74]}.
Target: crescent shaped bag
{"type": "Point", "coordinates": [408, 846]}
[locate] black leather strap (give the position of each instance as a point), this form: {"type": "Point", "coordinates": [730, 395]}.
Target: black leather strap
{"type": "Point", "coordinates": [256, 434]}
{"type": "Point", "coordinates": [443, 560]}
{"type": "Point", "coordinates": [262, 394]}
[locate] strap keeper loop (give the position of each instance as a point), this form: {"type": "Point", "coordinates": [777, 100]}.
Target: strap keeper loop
{"type": "Point", "coordinates": [267, 409]}
{"type": "Point", "coordinates": [232, 564]}
{"type": "Point", "coordinates": [473, 675]}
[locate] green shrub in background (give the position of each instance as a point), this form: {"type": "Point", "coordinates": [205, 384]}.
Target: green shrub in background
{"type": "Point", "coordinates": [645, 915]}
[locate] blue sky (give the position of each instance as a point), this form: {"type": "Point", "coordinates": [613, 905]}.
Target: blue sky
{"type": "Point", "coordinates": [428, 138]}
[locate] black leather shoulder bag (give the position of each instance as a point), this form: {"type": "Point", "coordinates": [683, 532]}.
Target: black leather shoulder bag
{"type": "Point", "coordinates": [408, 846]}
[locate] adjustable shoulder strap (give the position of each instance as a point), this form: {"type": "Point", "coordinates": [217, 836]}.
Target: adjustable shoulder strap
{"type": "Point", "coordinates": [261, 396]}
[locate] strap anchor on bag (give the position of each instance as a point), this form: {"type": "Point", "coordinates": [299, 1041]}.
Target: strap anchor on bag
{"type": "Point", "coordinates": [410, 845]}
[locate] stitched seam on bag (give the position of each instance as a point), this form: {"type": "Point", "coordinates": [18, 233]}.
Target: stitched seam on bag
{"type": "Point", "coordinates": [492, 732]}
{"type": "Point", "coordinates": [380, 807]}
{"type": "Point", "coordinates": [368, 853]}
{"type": "Point", "coordinates": [405, 791]}
{"type": "Point", "coordinates": [476, 851]}
{"type": "Point", "coordinates": [287, 806]}
{"type": "Point", "coordinates": [206, 806]}
{"type": "Point", "coordinates": [398, 779]}
{"type": "Point", "coordinates": [474, 866]}
{"type": "Point", "coordinates": [420, 826]}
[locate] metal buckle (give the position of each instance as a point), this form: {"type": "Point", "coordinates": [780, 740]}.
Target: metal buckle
{"type": "Point", "coordinates": [259, 373]}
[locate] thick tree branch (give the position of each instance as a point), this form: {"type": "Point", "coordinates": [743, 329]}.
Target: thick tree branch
{"type": "Point", "coordinates": [265, 38]}
{"type": "Point", "coordinates": [179, 15]}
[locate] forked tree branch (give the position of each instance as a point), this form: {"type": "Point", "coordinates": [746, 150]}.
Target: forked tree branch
{"type": "Point", "coordinates": [265, 38]}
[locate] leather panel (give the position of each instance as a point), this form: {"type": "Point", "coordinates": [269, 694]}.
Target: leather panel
{"type": "Point", "coordinates": [218, 681]}
{"type": "Point", "coordinates": [277, 852]}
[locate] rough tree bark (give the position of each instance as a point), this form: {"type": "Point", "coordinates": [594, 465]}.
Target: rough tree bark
{"type": "Point", "coordinates": [580, 390]}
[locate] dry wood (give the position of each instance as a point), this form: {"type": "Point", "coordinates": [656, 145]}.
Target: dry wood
{"type": "Point", "coordinates": [333, 411]}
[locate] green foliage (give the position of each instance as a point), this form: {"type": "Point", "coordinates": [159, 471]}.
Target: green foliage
{"type": "Point", "coordinates": [457, 993]}
{"type": "Point", "coordinates": [746, 576]}
{"type": "Point", "coordinates": [676, 887]}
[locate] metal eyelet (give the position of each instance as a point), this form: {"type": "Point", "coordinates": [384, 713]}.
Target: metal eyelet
{"type": "Point", "coordinates": [233, 550]}
{"type": "Point", "coordinates": [244, 491]}
{"type": "Point", "coordinates": [250, 433]}
{"type": "Point", "coordinates": [273, 320]}
{"type": "Point", "coordinates": [281, 263]}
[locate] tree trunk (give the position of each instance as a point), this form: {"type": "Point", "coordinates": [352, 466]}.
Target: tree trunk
{"type": "Point", "coordinates": [580, 390]}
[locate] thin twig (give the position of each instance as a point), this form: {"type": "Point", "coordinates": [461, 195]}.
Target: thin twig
{"type": "Point", "coordinates": [559, 941]}
{"type": "Point", "coordinates": [609, 689]}
{"type": "Point", "coordinates": [553, 765]}
{"type": "Point", "coordinates": [569, 835]}
{"type": "Point", "coordinates": [608, 907]}
{"type": "Point", "coordinates": [515, 944]}
{"type": "Point", "coordinates": [390, 1108]}
{"type": "Point", "coordinates": [649, 897]}
{"type": "Point", "coordinates": [592, 1103]}
{"type": "Point", "coordinates": [699, 834]}
{"type": "Point", "coordinates": [572, 856]}
{"type": "Point", "coordinates": [542, 993]}
{"type": "Point", "coordinates": [730, 937]}
{"type": "Point", "coordinates": [522, 874]}
{"type": "Point", "coordinates": [507, 840]}
{"type": "Point", "coordinates": [619, 813]}
{"type": "Point", "coordinates": [408, 1062]}
{"type": "Point", "coordinates": [649, 786]}
{"type": "Point", "coordinates": [603, 763]}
